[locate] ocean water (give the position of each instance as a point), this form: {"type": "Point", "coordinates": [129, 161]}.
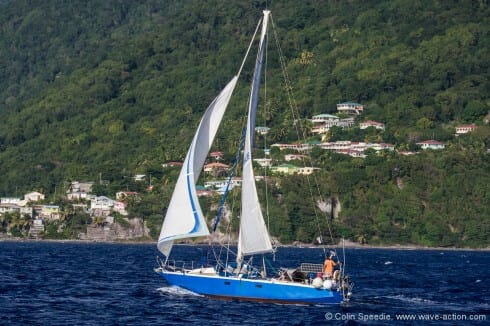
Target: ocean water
{"type": "Point", "coordinates": [54, 283]}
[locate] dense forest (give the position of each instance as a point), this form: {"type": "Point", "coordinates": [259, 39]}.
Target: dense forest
{"type": "Point", "coordinates": [105, 90]}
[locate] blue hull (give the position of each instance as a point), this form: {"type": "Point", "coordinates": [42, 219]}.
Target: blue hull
{"type": "Point", "coordinates": [252, 289]}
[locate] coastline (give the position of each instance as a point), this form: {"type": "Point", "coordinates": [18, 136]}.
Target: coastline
{"type": "Point", "coordinates": [347, 244]}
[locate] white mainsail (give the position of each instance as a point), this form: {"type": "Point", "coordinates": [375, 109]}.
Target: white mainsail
{"type": "Point", "coordinates": [254, 237]}
{"type": "Point", "coordinates": [184, 217]}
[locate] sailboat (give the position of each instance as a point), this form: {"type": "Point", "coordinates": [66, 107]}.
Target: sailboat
{"type": "Point", "coordinates": [184, 219]}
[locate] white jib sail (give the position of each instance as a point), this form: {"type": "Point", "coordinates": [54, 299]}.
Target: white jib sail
{"type": "Point", "coordinates": [184, 217]}
{"type": "Point", "coordinates": [254, 237]}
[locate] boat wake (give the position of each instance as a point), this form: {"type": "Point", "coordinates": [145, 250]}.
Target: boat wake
{"type": "Point", "coordinates": [175, 290]}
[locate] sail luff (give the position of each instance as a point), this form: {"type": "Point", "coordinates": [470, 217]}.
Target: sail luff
{"type": "Point", "coordinates": [184, 217]}
{"type": "Point", "coordinates": [254, 236]}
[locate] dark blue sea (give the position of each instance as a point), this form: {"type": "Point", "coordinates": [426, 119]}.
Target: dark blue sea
{"type": "Point", "coordinates": [54, 283]}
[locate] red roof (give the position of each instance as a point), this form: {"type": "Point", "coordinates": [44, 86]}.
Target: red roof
{"type": "Point", "coordinates": [472, 126]}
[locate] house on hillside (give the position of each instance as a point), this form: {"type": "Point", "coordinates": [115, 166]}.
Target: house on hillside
{"type": "Point", "coordinates": [10, 200]}
{"type": "Point", "coordinates": [263, 162]}
{"type": "Point", "coordinates": [464, 129]}
{"type": "Point", "coordinates": [33, 196]}
{"type": "Point", "coordinates": [352, 108]}
{"type": "Point", "coordinates": [371, 123]}
{"type": "Point", "coordinates": [431, 144]}
{"type": "Point", "coordinates": [323, 122]}
{"type": "Point", "coordinates": [262, 130]}
{"type": "Point", "coordinates": [324, 118]}
{"type": "Point", "coordinates": [216, 168]}
{"type": "Point", "coordinates": [101, 206]}
{"type": "Point", "coordinates": [284, 169]}
{"type": "Point", "coordinates": [172, 164]}
{"type": "Point", "coordinates": [12, 208]}
{"type": "Point", "coordinates": [139, 177]}
{"type": "Point", "coordinates": [79, 190]}
{"type": "Point", "coordinates": [296, 146]}
{"type": "Point", "coordinates": [122, 195]}
{"type": "Point", "coordinates": [307, 170]}
{"type": "Point", "coordinates": [292, 157]}
{"type": "Point", "coordinates": [217, 156]}
{"type": "Point", "coordinates": [50, 212]}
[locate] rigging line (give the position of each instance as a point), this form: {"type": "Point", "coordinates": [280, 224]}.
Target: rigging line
{"type": "Point", "coordinates": [298, 126]}
{"type": "Point", "coordinates": [232, 174]}
{"type": "Point", "coordinates": [250, 46]}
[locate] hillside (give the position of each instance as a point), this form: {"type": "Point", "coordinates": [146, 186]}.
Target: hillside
{"type": "Point", "coordinates": [112, 89]}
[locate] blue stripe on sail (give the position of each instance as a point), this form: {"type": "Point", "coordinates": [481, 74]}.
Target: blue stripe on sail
{"type": "Point", "coordinates": [197, 225]}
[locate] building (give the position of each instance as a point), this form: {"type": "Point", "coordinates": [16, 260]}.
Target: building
{"type": "Point", "coordinates": [221, 184]}
{"type": "Point", "coordinates": [371, 123]}
{"type": "Point", "coordinates": [292, 157]}
{"type": "Point", "coordinates": [33, 196]}
{"type": "Point", "coordinates": [350, 108]}
{"type": "Point", "coordinates": [263, 162]}
{"type": "Point", "coordinates": [284, 169]}
{"type": "Point", "coordinates": [121, 195]}
{"type": "Point", "coordinates": [217, 156]}
{"type": "Point", "coordinates": [139, 177]}
{"type": "Point", "coordinates": [50, 212]}
{"type": "Point", "coordinates": [324, 118]}
{"type": "Point", "coordinates": [12, 208]}
{"type": "Point", "coordinates": [172, 164]}
{"type": "Point", "coordinates": [323, 122]}
{"type": "Point", "coordinates": [464, 129]}
{"type": "Point", "coordinates": [216, 168]}
{"type": "Point", "coordinates": [297, 147]}
{"type": "Point", "coordinates": [79, 190]}
{"type": "Point", "coordinates": [431, 144]}
{"type": "Point", "coordinates": [307, 170]}
{"type": "Point", "coordinates": [262, 130]}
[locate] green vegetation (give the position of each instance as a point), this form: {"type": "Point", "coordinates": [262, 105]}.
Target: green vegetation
{"type": "Point", "coordinates": [111, 89]}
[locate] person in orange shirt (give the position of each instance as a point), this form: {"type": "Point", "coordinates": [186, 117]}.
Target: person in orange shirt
{"type": "Point", "coordinates": [328, 266]}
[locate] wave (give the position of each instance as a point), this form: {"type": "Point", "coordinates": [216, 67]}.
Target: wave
{"type": "Point", "coordinates": [405, 298]}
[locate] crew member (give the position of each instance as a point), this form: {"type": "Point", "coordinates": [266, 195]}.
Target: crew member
{"type": "Point", "coordinates": [328, 266]}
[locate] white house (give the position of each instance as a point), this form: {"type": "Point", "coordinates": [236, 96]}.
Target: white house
{"type": "Point", "coordinates": [79, 190]}
{"type": "Point", "coordinates": [263, 162]}
{"type": "Point", "coordinates": [262, 130]}
{"type": "Point", "coordinates": [350, 108]}
{"type": "Point", "coordinates": [296, 146]}
{"type": "Point", "coordinates": [464, 129]}
{"type": "Point", "coordinates": [120, 207]}
{"type": "Point", "coordinates": [324, 118]}
{"type": "Point", "coordinates": [10, 200]}
{"type": "Point", "coordinates": [121, 195]}
{"type": "Point", "coordinates": [431, 144]}
{"type": "Point", "coordinates": [102, 202]}
{"type": "Point", "coordinates": [51, 212]}
{"type": "Point", "coordinates": [292, 157]}
{"type": "Point", "coordinates": [371, 123]}
{"type": "Point", "coordinates": [323, 123]}
{"type": "Point", "coordinates": [33, 196]}
{"type": "Point", "coordinates": [220, 184]}
{"type": "Point", "coordinates": [307, 170]}
{"type": "Point", "coordinates": [139, 177]}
